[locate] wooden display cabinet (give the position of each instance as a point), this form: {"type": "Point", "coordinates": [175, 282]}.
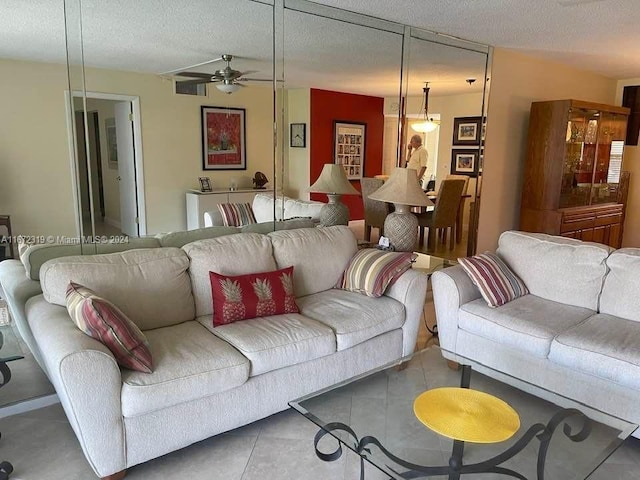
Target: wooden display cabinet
{"type": "Point", "coordinates": [573, 180]}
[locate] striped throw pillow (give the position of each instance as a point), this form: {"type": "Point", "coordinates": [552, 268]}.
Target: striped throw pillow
{"type": "Point", "coordinates": [236, 214]}
{"type": "Point", "coordinates": [103, 321]}
{"type": "Point", "coordinates": [495, 280]}
{"type": "Point", "coordinates": [371, 271]}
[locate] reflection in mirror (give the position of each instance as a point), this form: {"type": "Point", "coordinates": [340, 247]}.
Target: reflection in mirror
{"type": "Point", "coordinates": [454, 101]}
{"type": "Point", "coordinates": [172, 96]}
{"type": "Point", "coordinates": [338, 72]}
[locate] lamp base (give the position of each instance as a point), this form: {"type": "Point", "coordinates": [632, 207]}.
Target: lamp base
{"type": "Point", "coordinates": [401, 228]}
{"type": "Point", "coordinates": [334, 213]}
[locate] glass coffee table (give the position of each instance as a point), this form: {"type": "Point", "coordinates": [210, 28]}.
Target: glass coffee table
{"type": "Point", "coordinates": [373, 415]}
{"type": "Point", "coordinates": [10, 350]}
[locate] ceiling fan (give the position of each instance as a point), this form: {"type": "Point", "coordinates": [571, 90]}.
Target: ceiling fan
{"type": "Point", "coordinates": [226, 80]}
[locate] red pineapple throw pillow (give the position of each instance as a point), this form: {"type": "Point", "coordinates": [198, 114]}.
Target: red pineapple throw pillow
{"type": "Point", "coordinates": [242, 297]}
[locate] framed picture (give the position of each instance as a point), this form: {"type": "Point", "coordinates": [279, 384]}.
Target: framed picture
{"type": "Point", "coordinates": [467, 130]}
{"type": "Point", "coordinates": [349, 141]}
{"type": "Point", "coordinates": [112, 142]}
{"type": "Point", "coordinates": [298, 135]}
{"type": "Point", "coordinates": [205, 184]}
{"type": "Point", "coordinates": [223, 138]}
{"type": "Point", "coordinates": [464, 162]}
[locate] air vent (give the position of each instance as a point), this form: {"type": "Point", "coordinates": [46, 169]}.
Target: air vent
{"type": "Point", "coordinates": [199, 90]}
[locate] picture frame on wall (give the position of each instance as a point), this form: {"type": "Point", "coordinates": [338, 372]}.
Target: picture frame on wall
{"type": "Point", "coordinates": [349, 145]}
{"type": "Point", "coordinates": [112, 143]}
{"type": "Point", "coordinates": [224, 143]}
{"type": "Point", "coordinates": [467, 130]}
{"type": "Point", "coordinates": [464, 161]}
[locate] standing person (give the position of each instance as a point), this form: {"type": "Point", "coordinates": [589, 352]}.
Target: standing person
{"type": "Point", "coordinates": [417, 156]}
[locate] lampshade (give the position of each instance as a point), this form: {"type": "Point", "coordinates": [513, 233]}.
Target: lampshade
{"type": "Point", "coordinates": [333, 180]}
{"type": "Point", "coordinates": [424, 127]}
{"type": "Point", "coordinates": [402, 188]}
{"type": "Point", "coordinates": [228, 87]}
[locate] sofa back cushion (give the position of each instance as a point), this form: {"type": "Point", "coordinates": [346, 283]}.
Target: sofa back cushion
{"type": "Point", "coordinates": [294, 208]}
{"type": "Point", "coordinates": [179, 239]}
{"type": "Point", "coordinates": [621, 290]}
{"type": "Point", "coordinates": [560, 269]}
{"type": "Point", "coordinates": [319, 255]}
{"type": "Point", "coordinates": [36, 255]}
{"type": "Point", "coordinates": [263, 207]}
{"type": "Point", "coordinates": [150, 286]}
{"type": "Point", "coordinates": [229, 255]}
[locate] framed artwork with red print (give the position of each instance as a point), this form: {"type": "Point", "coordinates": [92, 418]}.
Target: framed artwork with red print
{"type": "Point", "coordinates": [224, 143]}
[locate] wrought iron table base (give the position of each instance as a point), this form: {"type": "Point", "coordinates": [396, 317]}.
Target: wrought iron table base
{"type": "Point", "coordinates": [5, 375]}
{"type": "Point", "coordinates": [456, 466]}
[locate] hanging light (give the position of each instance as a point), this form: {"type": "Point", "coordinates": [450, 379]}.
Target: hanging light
{"type": "Point", "coordinates": [429, 124]}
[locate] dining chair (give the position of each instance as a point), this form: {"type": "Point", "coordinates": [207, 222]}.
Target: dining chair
{"type": "Point", "coordinates": [444, 214]}
{"type": "Point", "coordinates": [5, 221]}
{"type": "Point", "coordinates": [375, 211]}
{"type": "Point", "coordinates": [459, 218]}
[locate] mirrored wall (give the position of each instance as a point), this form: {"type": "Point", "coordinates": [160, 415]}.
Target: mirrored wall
{"type": "Point", "coordinates": [152, 131]}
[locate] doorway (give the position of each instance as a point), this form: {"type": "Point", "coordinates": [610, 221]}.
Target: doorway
{"type": "Point", "coordinates": [109, 188]}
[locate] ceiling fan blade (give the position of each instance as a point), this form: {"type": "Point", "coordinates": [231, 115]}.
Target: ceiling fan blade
{"type": "Point", "coordinates": [258, 80]}
{"type": "Point", "coordinates": [191, 66]}
{"type": "Point", "coordinates": [248, 72]}
{"type": "Point", "coordinates": [199, 81]}
{"type": "Point", "coordinates": [195, 75]}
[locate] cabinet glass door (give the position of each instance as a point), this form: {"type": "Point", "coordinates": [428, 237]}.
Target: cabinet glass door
{"type": "Point", "coordinates": [580, 157]}
{"type": "Point", "coordinates": [606, 175]}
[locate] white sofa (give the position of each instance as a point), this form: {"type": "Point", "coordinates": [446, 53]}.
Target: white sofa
{"type": "Point", "coordinates": [263, 208]}
{"type": "Point", "coordinates": [205, 380]}
{"type": "Point", "coordinates": [576, 334]}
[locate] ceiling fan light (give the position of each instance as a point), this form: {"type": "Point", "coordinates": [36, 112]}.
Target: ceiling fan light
{"type": "Point", "coordinates": [228, 87]}
{"type": "Point", "coordinates": [424, 127]}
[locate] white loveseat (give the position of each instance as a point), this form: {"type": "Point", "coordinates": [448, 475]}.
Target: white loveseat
{"type": "Point", "coordinates": [576, 334]}
{"type": "Point", "coordinates": [263, 208]}
{"type": "Point", "coordinates": [210, 380]}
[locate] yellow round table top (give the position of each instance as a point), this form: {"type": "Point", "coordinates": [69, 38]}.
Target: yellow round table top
{"type": "Point", "coordinates": [467, 415]}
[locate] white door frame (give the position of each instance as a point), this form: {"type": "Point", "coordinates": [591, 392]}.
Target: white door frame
{"type": "Point", "coordinates": [137, 146]}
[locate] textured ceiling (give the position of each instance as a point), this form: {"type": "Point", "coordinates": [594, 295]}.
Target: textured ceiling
{"type": "Point", "coordinates": [158, 35]}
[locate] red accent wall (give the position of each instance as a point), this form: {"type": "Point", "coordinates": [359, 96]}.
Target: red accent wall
{"type": "Point", "coordinates": [328, 106]}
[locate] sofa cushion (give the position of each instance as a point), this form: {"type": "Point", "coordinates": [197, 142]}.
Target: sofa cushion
{"type": "Point", "coordinates": [34, 256]}
{"type": "Point", "coordinates": [102, 320]}
{"type": "Point", "coordinates": [263, 207]}
{"type": "Point", "coordinates": [190, 363]}
{"type": "Point", "coordinates": [496, 282]}
{"type": "Point", "coordinates": [242, 297]}
{"type": "Point", "coordinates": [268, 227]}
{"type": "Point", "coordinates": [277, 341]}
{"type": "Point", "coordinates": [318, 255]}
{"type": "Point", "coordinates": [229, 255]}
{"type": "Point", "coordinates": [622, 284]}
{"type": "Point", "coordinates": [605, 346]}
{"type": "Point", "coordinates": [236, 214]}
{"type": "Point", "coordinates": [559, 269]}
{"type": "Point", "coordinates": [371, 271]}
{"type": "Point", "coordinates": [528, 323]}
{"type": "Point", "coordinates": [354, 318]}
{"type": "Point", "coordinates": [301, 208]}
{"type": "Point", "coordinates": [150, 286]}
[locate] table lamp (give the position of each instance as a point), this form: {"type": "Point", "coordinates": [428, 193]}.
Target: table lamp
{"type": "Point", "coordinates": [333, 181]}
{"type": "Point", "coordinates": [403, 190]}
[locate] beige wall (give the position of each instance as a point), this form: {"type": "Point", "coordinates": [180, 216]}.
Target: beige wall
{"type": "Point", "coordinates": [35, 172]}
{"type": "Point", "coordinates": [297, 160]}
{"type": "Point", "coordinates": [516, 81]}
{"type": "Point", "coordinates": [631, 163]}
{"type": "Point", "coordinates": [35, 177]}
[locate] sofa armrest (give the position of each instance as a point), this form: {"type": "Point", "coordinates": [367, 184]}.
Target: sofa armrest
{"type": "Point", "coordinates": [88, 382]}
{"type": "Point", "coordinates": [410, 290]}
{"type": "Point", "coordinates": [213, 219]}
{"type": "Point", "coordinates": [18, 288]}
{"type": "Point", "coordinates": [452, 288]}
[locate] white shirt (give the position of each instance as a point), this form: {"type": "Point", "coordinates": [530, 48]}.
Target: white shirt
{"type": "Point", "coordinates": [418, 159]}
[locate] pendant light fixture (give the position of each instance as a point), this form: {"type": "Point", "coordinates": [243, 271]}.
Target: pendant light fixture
{"type": "Point", "coordinates": [429, 124]}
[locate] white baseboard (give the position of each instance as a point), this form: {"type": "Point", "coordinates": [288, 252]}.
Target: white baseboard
{"type": "Point", "coordinates": [28, 405]}
{"type": "Point", "coordinates": [112, 222]}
